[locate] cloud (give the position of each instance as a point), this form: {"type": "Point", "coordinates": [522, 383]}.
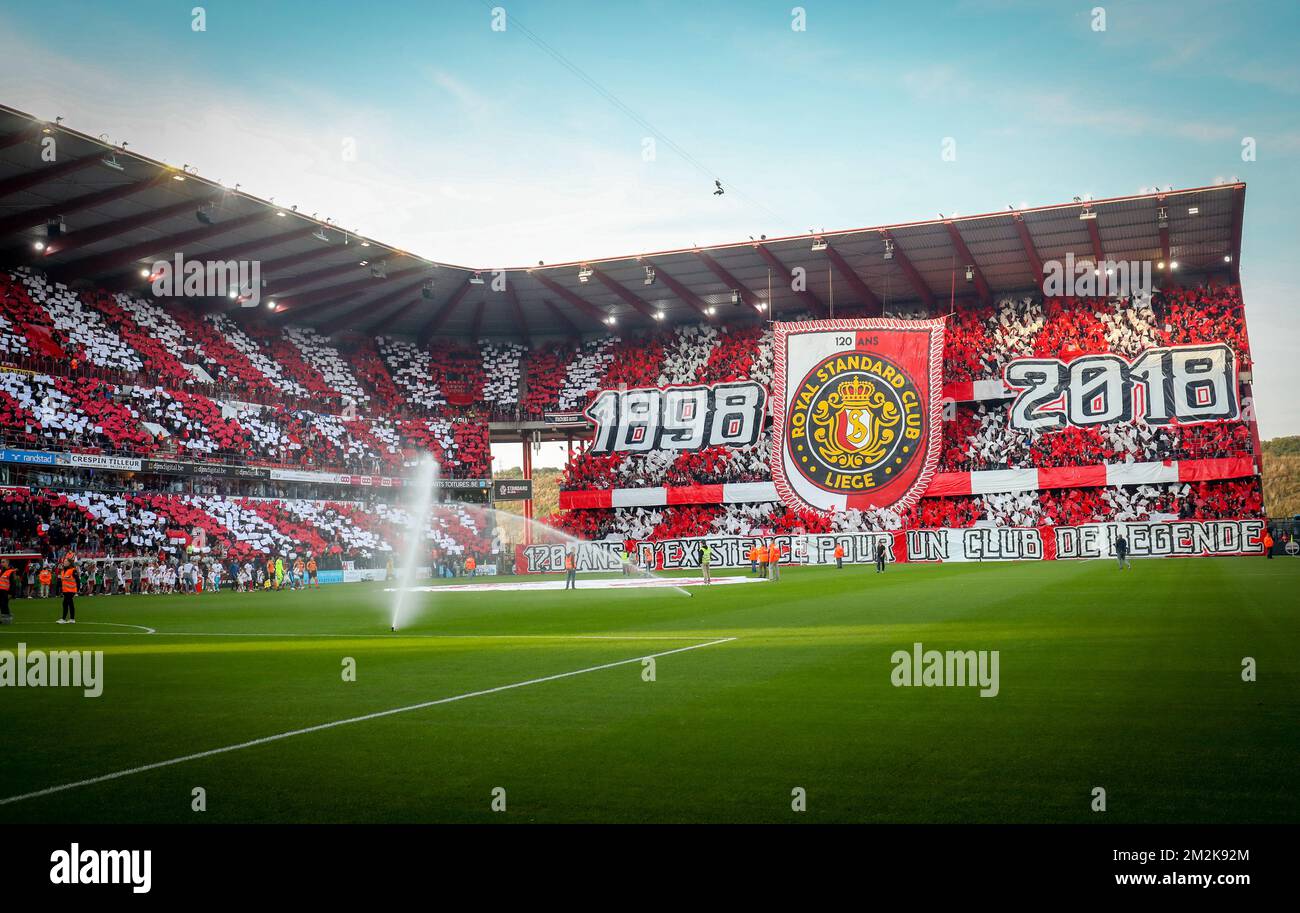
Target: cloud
{"type": "Point", "coordinates": [1063, 108]}
{"type": "Point", "coordinates": [940, 81]}
{"type": "Point", "coordinates": [470, 102]}
{"type": "Point", "coordinates": [1284, 79]}
{"type": "Point", "coordinates": [465, 191]}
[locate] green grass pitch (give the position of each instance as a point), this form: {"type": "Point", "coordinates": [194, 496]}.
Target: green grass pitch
{"type": "Point", "coordinates": [1127, 681]}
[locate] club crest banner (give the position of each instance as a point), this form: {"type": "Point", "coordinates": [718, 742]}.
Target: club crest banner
{"type": "Point", "coordinates": [857, 412]}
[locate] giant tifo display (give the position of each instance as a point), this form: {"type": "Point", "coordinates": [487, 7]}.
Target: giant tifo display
{"type": "Point", "coordinates": [1031, 430]}
{"type": "Point", "coordinates": [1015, 400]}
{"type": "Point", "coordinates": [1028, 429]}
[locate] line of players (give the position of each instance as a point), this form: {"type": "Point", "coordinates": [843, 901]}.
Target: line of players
{"type": "Point", "coordinates": [71, 578]}
{"type": "Point", "coordinates": [163, 575]}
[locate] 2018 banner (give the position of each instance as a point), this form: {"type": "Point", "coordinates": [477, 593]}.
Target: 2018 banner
{"type": "Point", "coordinates": [857, 422]}
{"type": "Point", "coordinates": [1147, 539]}
{"type": "Point", "coordinates": [1183, 384]}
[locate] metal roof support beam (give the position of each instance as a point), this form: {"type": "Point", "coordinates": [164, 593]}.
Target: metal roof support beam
{"type": "Point", "coordinates": [28, 180]}
{"type": "Point", "coordinates": [628, 297]}
{"type": "Point", "coordinates": [808, 298]}
{"type": "Point", "coordinates": [513, 297]}
{"type": "Point", "coordinates": [476, 324]}
{"type": "Point", "coordinates": [680, 290]}
{"type": "Point", "coordinates": [282, 288]}
{"type": "Point", "coordinates": [1166, 257]}
{"type": "Point", "coordinates": [441, 315]}
{"type": "Point", "coordinates": [1167, 271]}
{"type": "Point", "coordinates": [1098, 255]}
{"type": "Point", "coordinates": [244, 247]}
{"type": "Point", "coordinates": [577, 301]}
{"type": "Point", "coordinates": [562, 318]}
{"type": "Point", "coordinates": [959, 243]}
{"type": "Point", "coordinates": [731, 281]}
{"type": "Point", "coordinates": [87, 236]}
{"type": "Point", "coordinates": [43, 214]}
{"type": "Point", "coordinates": [127, 280]}
{"type": "Point", "coordinates": [873, 304]}
{"type": "Point", "coordinates": [298, 303]}
{"type": "Point", "coordinates": [1031, 252]}
{"type": "Point", "coordinates": [291, 260]}
{"type": "Point", "coordinates": [22, 136]}
{"type": "Point", "coordinates": [125, 256]}
{"type": "Point", "coordinates": [273, 266]}
{"type": "Point", "coordinates": [397, 314]}
{"type": "Point", "coordinates": [340, 318]}
{"type": "Point", "coordinates": [335, 314]}
{"type": "Point", "coordinates": [918, 284]}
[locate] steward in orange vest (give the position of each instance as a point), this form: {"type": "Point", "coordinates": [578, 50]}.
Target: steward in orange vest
{"type": "Point", "coordinates": [774, 561]}
{"type": "Point", "coordinates": [68, 581]}
{"type": "Point", "coordinates": [6, 572]}
{"type": "Point", "coordinates": [570, 570]}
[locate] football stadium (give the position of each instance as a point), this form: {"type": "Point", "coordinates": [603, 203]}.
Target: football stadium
{"type": "Point", "coordinates": [953, 519]}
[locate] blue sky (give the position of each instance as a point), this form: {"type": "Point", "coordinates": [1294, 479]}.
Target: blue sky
{"type": "Point", "coordinates": [477, 147]}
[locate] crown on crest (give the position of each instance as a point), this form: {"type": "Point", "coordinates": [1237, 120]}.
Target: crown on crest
{"type": "Point", "coordinates": [856, 393]}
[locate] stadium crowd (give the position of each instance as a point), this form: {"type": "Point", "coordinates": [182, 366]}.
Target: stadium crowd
{"type": "Point", "coordinates": [119, 525]}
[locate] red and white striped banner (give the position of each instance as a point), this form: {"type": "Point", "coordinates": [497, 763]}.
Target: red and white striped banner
{"type": "Point", "coordinates": [944, 484]}
{"type": "Point", "coordinates": [976, 391]}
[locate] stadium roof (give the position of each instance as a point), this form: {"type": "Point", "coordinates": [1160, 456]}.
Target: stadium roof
{"type": "Point", "coordinates": [123, 211]}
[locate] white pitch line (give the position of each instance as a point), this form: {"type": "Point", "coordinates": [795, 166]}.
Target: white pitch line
{"type": "Point", "coordinates": [398, 635]}
{"type": "Point", "coordinates": [116, 775]}
{"type": "Point", "coordinates": [66, 629]}
{"type": "Point", "coordinates": [390, 636]}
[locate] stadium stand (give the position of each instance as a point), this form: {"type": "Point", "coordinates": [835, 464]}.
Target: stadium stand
{"type": "Point", "coordinates": [161, 380]}
{"type": "Point", "coordinates": [135, 423]}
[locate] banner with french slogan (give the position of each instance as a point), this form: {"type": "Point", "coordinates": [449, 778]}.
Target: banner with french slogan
{"type": "Point", "coordinates": [1146, 539]}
